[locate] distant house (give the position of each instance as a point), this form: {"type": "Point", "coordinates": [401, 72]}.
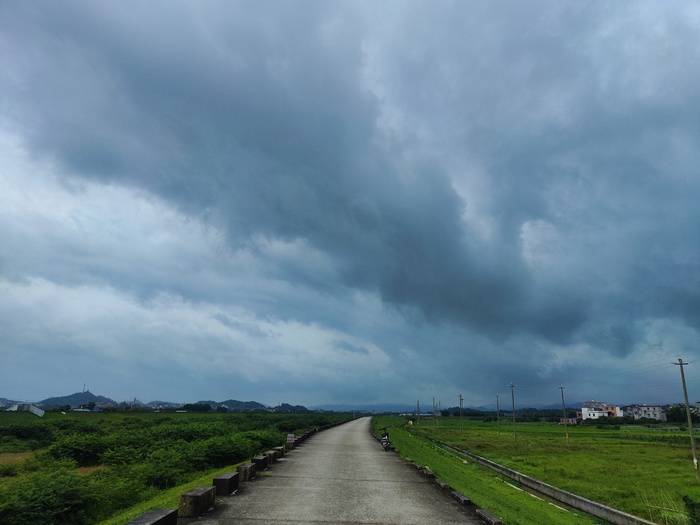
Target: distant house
{"type": "Point", "coordinates": [598, 409]}
{"type": "Point", "coordinates": [646, 411]}
{"type": "Point", "coordinates": [569, 421]}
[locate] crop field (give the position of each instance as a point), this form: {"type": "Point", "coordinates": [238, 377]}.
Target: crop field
{"type": "Point", "coordinates": [643, 471]}
{"type": "Point", "coordinates": [86, 468]}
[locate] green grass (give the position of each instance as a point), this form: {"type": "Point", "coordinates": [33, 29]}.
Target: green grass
{"type": "Point", "coordinates": [168, 499]}
{"type": "Point", "coordinates": [631, 469]}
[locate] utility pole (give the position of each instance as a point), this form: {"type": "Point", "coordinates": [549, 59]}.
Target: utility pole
{"type": "Point", "coordinates": [690, 419]}
{"type": "Point", "coordinates": [461, 424]}
{"type": "Point", "coordinates": [563, 407]}
{"type": "Point", "coordinates": [418, 413]}
{"type": "Point", "coordinates": [512, 398]}
{"type": "Point", "coordinates": [498, 416]}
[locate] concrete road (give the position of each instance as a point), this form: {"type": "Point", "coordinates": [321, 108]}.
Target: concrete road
{"type": "Point", "coordinates": [339, 476]}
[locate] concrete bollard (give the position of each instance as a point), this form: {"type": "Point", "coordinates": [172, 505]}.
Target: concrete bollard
{"type": "Point", "coordinates": [156, 517]}
{"type": "Point", "coordinates": [226, 483]}
{"type": "Point", "coordinates": [196, 502]}
{"type": "Point", "coordinates": [271, 456]}
{"type": "Point", "coordinates": [461, 498]}
{"type": "Point", "coordinates": [442, 484]}
{"type": "Point", "coordinates": [488, 517]}
{"type": "Point", "coordinates": [260, 463]}
{"type": "Point", "coordinates": [246, 471]}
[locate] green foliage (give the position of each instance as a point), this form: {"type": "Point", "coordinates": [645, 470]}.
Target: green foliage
{"type": "Point", "coordinates": [197, 407]}
{"type": "Point", "coordinates": [49, 498]}
{"type": "Point", "coordinates": [693, 508]}
{"type": "Point", "coordinates": [266, 438]}
{"type": "Point", "coordinates": [25, 436]}
{"type": "Point", "coordinates": [163, 468]}
{"type": "Point", "coordinates": [136, 457]}
{"type": "Point", "coordinates": [228, 450]}
{"type": "Point", "coordinates": [8, 470]}
{"type": "Point", "coordinates": [85, 449]}
{"type": "Point", "coordinates": [678, 414]}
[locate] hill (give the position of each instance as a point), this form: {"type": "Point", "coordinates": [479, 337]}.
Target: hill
{"type": "Point", "coordinates": [286, 408]}
{"type": "Point", "coordinates": [76, 400]}
{"type": "Point", "coordinates": [235, 406]}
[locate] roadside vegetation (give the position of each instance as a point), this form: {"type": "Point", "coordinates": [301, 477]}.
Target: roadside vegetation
{"type": "Point", "coordinates": [83, 468]}
{"type": "Point", "coordinates": [641, 470]}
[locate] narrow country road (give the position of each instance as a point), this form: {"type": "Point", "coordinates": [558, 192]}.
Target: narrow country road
{"type": "Point", "coordinates": [339, 476]}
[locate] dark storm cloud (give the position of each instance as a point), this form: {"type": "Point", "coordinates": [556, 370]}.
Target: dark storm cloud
{"type": "Point", "coordinates": [266, 124]}
{"type": "Point", "coordinates": [510, 175]}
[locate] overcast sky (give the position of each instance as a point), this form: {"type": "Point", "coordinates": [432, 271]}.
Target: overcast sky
{"type": "Point", "coordinates": [350, 202]}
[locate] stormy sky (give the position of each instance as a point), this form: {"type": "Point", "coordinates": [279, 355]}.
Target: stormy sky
{"type": "Point", "coordinates": [350, 202]}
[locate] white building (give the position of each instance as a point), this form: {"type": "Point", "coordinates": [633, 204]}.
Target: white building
{"type": "Point", "coordinates": [598, 409]}
{"type": "Point", "coordinates": [645, 411]}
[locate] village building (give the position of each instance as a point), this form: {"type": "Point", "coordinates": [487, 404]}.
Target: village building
{"type": "Point", "coordinates": [646, 411]}
{"type": "Point", "coordinates": [598, 409]}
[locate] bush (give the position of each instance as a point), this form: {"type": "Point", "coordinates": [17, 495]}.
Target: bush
{"type": "Point", "coordinates": [8, 470]}
{"type": "Point", "coordinates": [119, 456]}
{"type": "Point", "coordinates": [265, 438]}
{"type": "Point", "coordinates": [693, 508]}
{"type": "Point", "coordinates": [86, 450]}
{"type": "Point", "coordinates": [49, 498]}
{"type": "Point", "coordinates": [39, 435]}
{"type": "Point", "coordinates": [223, 451]}
{"type": "Point", "coordinates": [164, 468]}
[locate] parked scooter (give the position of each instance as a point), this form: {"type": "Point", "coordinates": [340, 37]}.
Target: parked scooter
{"type": "Point", "coordinates": [385, 440]}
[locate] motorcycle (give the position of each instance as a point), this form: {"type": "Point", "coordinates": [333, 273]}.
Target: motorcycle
{"type": "Point", "coordinates": [386, 445]}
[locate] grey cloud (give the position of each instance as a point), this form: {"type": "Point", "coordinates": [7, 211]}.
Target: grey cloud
{"type": "Point", "coordinates": [485, 170]}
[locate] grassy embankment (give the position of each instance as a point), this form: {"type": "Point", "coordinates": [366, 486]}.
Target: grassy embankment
{"type": "Point", "coordinates": [637, 470]}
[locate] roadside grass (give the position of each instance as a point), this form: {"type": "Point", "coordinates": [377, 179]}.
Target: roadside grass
{"type": "Point", "coordinates": [625, 469]}
{"type": "Point", "coordinates": [167, 499]}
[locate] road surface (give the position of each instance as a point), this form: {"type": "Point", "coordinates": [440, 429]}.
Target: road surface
{"type": "Point", "coordinates": [339, 476]}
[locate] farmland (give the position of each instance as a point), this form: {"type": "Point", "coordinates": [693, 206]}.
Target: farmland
{"type": "Point", "coordinates": [83, 468]}
{"type": "Point", "coordinates": [642, 471]}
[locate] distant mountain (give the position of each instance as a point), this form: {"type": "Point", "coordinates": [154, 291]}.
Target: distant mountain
{"type": "Point", "coordinates": [83, 398]}
{"type": "Point", "coordinates": [76, 400]}
{"type": "Point", "coordinates": [235, 406]}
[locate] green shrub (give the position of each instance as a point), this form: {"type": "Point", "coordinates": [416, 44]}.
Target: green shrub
{"type": "Point", "coordinates": [85, 449]}
{"type": "Point", "coordinates": [27, 435]}
{"type": "Point", "coordinates": [8, 470]}
{"type": "Point", "coordinates": [223, 451]}
{"type": "Point", "coordinates": [693, 508]}
{"type": "Point", "coordinates": [163, 468]}
{"type": "Point", "coordinates": [49, 498]}
{"type": "Point", "coordinates": [120, 456]}
{"type": "Point", "coordinates": [266, 438]}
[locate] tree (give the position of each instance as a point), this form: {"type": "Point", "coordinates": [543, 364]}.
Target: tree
{"type": "Point", "coordinates": [197, 407]}
{"type": "Point", "coordinates": [676, 414]}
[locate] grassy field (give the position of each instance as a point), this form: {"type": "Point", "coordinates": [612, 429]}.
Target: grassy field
{"type": "Point", "coordinates": [645, 472]}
